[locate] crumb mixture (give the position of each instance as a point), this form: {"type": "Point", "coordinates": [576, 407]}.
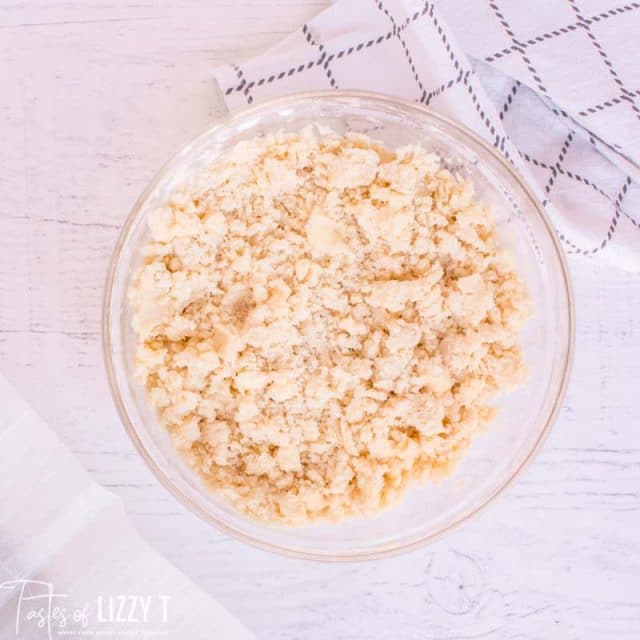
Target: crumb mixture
{"type": "Point", "coordinates": [322, 321]}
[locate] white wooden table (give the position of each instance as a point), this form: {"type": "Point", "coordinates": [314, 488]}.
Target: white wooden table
{"type": "Point", "coordinates": [93, 100]}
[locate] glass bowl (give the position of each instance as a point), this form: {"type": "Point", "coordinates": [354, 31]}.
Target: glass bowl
{"type": "Point", "coordinates": [524, 417]}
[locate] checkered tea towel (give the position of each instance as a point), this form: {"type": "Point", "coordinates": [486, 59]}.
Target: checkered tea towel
{"type": "Point", "coordinates": [555, 85]}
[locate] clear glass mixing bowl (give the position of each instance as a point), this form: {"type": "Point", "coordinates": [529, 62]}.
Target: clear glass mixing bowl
{"type": "Point", "coordinates": [525, 416]}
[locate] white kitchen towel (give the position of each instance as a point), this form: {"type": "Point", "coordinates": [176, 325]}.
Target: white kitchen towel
{"type": "Point", "coordinates": [71, 563]}
{"type": "Point", "coordinates": [553, 84]}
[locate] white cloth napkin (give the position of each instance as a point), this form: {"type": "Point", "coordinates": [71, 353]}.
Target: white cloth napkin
{"type": "Point", "coordinates": [554, 84]}
{"type": "Point", "coordinates": [60, 533]}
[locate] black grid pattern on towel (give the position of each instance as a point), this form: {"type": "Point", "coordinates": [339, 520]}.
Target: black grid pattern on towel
{"type": "Point", "coordinates": [329, 60]}
{"type": "Point", "coordinates": [520, 47]}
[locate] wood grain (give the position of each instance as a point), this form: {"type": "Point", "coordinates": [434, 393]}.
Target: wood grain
{"type": "Point", "coordinates": [96, 96]}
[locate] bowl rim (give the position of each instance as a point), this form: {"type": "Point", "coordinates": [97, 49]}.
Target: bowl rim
{"type": "Point", "coordinates": [291, 551]}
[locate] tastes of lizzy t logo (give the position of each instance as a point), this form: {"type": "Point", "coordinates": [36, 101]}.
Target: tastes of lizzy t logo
{"type": "Point", "coordinates": [41, 612]}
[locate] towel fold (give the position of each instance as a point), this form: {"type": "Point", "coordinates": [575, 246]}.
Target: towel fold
{"type": "Point", "coordinates": [71, 563]}
{"type": "Point", "coordinates": [553, 85]}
